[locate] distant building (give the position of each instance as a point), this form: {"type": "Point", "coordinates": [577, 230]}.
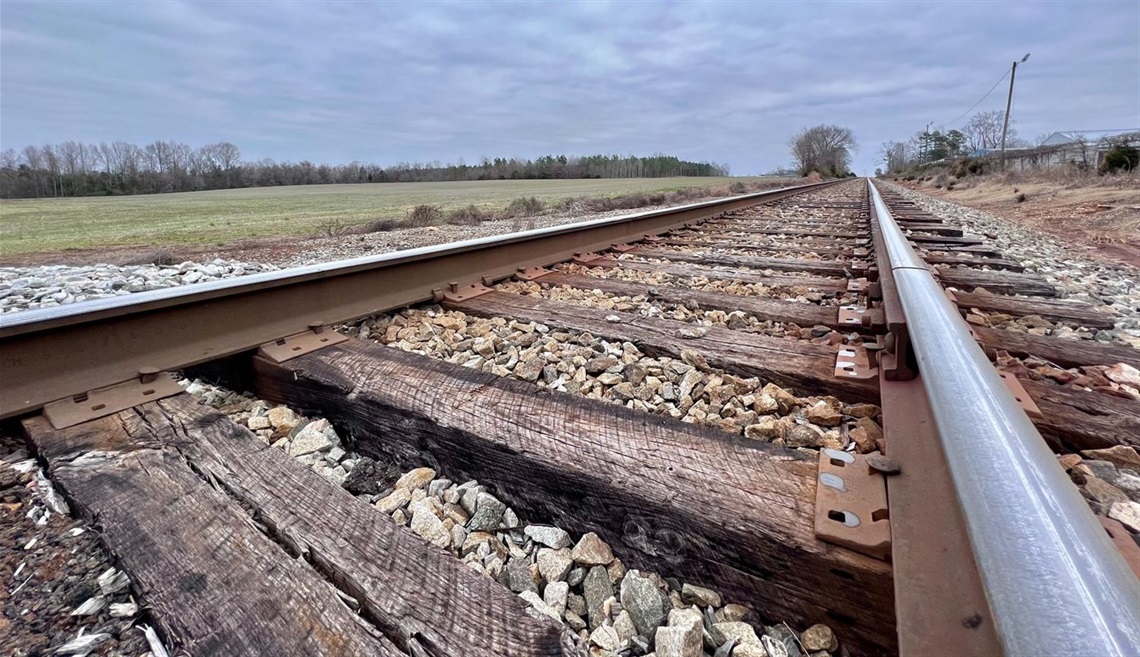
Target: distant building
{"type": "Point", "coordinates": [1070, 149]}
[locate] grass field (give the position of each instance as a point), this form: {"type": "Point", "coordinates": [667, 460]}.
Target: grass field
{"type": "Point", "coordinates": [216, 218]}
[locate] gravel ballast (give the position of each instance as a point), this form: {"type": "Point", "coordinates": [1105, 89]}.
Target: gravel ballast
{"type": "Point", "coordinates": [1076, 275]}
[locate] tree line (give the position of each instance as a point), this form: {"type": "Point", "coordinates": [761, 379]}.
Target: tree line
{"type": "Point", "coordinates": [79, 169]}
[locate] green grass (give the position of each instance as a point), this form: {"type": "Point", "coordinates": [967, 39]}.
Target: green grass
{"type": "Point", "coordinates": [223, 216]}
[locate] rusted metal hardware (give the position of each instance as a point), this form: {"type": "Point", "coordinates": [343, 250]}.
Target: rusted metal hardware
{"type": "Point", "coordinates": [1024, 399]}
{"type": "Point", "coordinates": [149, 385]}
{"type": "Point", "coordinates": [1021, 395]}
{"type": "Point", "coordinates": [1123, 542]}
{"type": "Point", "coordinates": [851, 504]}
{"type": "Point", "coordinates": [939, 599]}
{"type": "Point", "coordinates": [532, 273]}
{"type": "Point", "coordinates": [853, 362]}
{"type": "Point", "coordinates": [851, 315]}
{"type": "Point", "coordinates": [622, 248]}
{"type": "Point", "coordinates": [299, 344]}
{"type": "Point", "coordinates": [897, 340]}
{"type": "Point", "coordinates": [456, 292]}
{"type": "Point", "coordinates": [49, 353]}
{"type": "Point", "coordinates": [592, 259]}
{"type": "Point", "coordinates": [858, 285]}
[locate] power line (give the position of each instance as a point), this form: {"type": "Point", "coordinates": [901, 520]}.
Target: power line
{"type": "Point", "coordinates": [979, 101]}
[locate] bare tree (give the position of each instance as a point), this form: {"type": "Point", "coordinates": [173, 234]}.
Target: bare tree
{"type": "Point", "coordinates": [823, 148]}
{"type": "Point", "coordinates": [69, 157]}
{"type": "Point", "coordinates": [51, 160]}
{"type": "Point", "coordinates": [1084, 148]}
{"type": "Point", "coordinates": [983, 130]}
{"type": "Point", "coordinates": [895, 156]}
{"type": "Point", "coordinates": [128, 158]}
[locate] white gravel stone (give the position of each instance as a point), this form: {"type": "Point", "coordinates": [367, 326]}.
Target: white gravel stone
{"type": "Point", "coordinates": [428, 526]}
{"type": "Point", "coordinates": [28, 288]}
{"type": "Point", "coordinates": [553, 537]}
{"type": "Point", "coordinates": [317, 436]}
{"type": "Point", "coordinates": [1128, 513]}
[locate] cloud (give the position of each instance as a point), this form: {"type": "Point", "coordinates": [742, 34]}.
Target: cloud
{"type": "Point", "coordinates": [386, 82]}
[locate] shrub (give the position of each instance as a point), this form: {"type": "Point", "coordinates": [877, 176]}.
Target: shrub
{"type": "Point", "coordinates": [1020, 198]}
{"type": "Point", "coordinates": [467, 216]}
{"type": "Point", "coordinates": [381, 225]}
{"type": "Point", "coordinates": [424, 215]}
{"type": "Point", "coordinates": [1120, 158]}
{"type": "Point", "coordinates": [332, 228]}
{"type": "Point", "coordinates": [523, 207]}
{"type": "Point", "coordinates": [737, 188]}
{"type": "Point", "coordinates": [627, 202]}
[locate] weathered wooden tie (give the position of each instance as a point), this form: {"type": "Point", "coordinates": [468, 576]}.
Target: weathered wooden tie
{"type": "Point", "coordinates": [711, 508]}
{"type": "Point", "coordinates": [743, 275]}
{"type": "Point", "coordinates": [1074, 420]}
{"type": "Point", "coordinates": [213, 583]}
{"type": "Point", "coordinates": [972, 261]}
{"type": "Point", "coordinates": [1064, 352]}
{"type": "Point", "coordinates": [945, 239]}
{"type": "Point", "coordinates": [1002, 282]}
{"type": "Point", "coordinates": [726, 242]}
{"type": "Point", "coordinates": [820, 267]}
{"type": "Point", "coordinates": [423, 599]}
{"type": "Point", "coordinates": [939, 229]}
{"type": "Point", "coordinates": [1054, 310]}
{"type": "Point", "coordinates": [797, 364]}
{"type": "Point", "coordinates": [797, 232]}
{"type": "Point", "coordinates": [777, 310]}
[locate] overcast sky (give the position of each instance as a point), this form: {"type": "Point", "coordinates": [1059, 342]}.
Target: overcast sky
{"type": "Point", "coordinates": [728, 82]}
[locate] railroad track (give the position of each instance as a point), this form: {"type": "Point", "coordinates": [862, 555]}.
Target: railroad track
{"type": "Point", "coordinates": [773, 396]}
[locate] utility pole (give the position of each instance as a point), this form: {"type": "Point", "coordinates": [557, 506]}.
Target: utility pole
{"type": "Point", "coordinates": [1008, 103]}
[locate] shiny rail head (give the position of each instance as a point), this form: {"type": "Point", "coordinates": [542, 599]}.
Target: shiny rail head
{"type": "Point", "coordinates": [1054, 580]}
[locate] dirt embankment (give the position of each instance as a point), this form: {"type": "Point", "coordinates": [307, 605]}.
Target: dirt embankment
{"type": "Point", "coordinates": [1102, 213]}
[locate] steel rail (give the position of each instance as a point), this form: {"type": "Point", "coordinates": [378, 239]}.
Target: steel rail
{"type": "Point", "coordinates": [1054, 581]}
{"type": "Point", "coordinates": [55, 353]}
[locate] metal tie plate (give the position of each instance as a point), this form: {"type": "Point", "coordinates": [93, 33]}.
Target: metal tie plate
{"type": "Point", "coordinates": [300, 344]}
{"type": "Point", "coordinates": [851, 504]}
{"type": "Point", "coordinates": [149, 386]}
{"type": "Point", "coordinates": [853, 362]}
{"type": "Point", "coordinates": [532, 273]}
{"type": "Point", "coordinates": [851, 315]}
